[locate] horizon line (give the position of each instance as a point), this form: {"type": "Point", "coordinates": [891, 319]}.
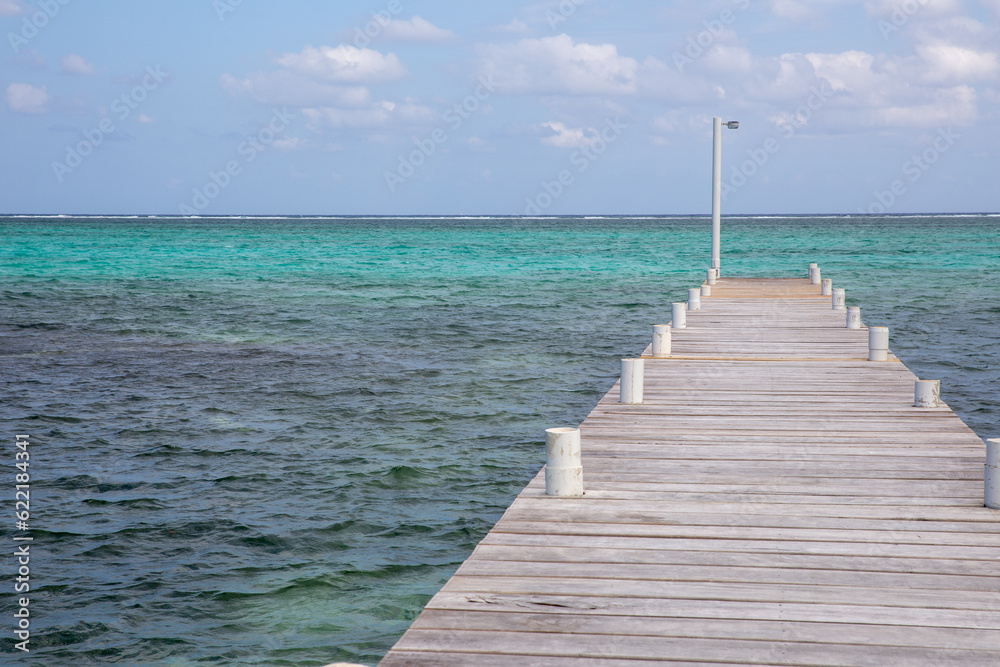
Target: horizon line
{"type": "Point", "coordinates": [236, 216]}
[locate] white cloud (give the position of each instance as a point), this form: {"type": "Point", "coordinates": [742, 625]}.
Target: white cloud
{"type": "Point", "coordinates": [289, 143]}
{"type": "Point", "coordinates": [74, 64]}
{"type": "Point", "coordinates": [566, 137]}
{"type": "Point", "coordinates": [913, 7]}
{"type": "Point", "coordinates": [518, 26]}
{"type": "Point", "coordinates": [661, 81]}
{"type": "Point", "coordinates": [951, 106]}
{"type": "Point", "coordinates": [555, 65]}
{"type": "Point", "coordinates": [845, 71]}
{"type": "Point", "coordinates": [955, 64]}
{"type": "Point", "coordinates": [25, 98]}
{"type": "Point", "coordinates": [727, 57]}
{"type": "Point", "coordinates": [793, 10]}
{"type": "Point", "coordinates": [143, 118]}
{"type": "Point", "coordinates": [416, 29]}
{"type": "Point", "coordinates": [11, 8]}
{"type": "Point", "coordinates": [931, 85]}
{"type": "Point", "coordinates": [380, 114]}
{"type": "Point", "coordinates": [285, 88]}
{"type": "Point", "coordinates": [669, 122]}
{"type": "Point", "coordinates": [344, 64]}
{"type": "Point", "coordinates": [319, 82]}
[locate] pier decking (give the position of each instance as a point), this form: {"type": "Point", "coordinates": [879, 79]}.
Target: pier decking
{"type": "Point", "coordinates": [776, 500]}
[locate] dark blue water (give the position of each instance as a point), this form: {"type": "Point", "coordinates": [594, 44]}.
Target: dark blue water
{"type": "Point", "coordinates": [269, 442]}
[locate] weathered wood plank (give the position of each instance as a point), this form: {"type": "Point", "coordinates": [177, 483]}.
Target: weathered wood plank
{"type": "Point", "coordinates": [731, 574]}
{"type": "Point", "coordinates": [718, 610]}
{"type": "Point", "coordinates": [882, 548]}
{"type": "Point", "coordinates": [569, 555]}
{"type": "Point", "coordinates": [694, 628]}
{"type": "Point", "coordinates": [786, 651]}
{"type": "Point", "coordinates": [928, 600]}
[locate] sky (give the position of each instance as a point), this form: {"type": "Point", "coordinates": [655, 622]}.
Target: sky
{"type": "Point", "coordinates": [442, 107]}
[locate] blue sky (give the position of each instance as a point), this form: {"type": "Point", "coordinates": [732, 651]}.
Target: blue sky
{"type": "Point", "coordinates": [394, 107]}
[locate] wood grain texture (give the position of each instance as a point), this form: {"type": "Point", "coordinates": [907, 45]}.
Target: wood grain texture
{"type": "Point", "coordinates": [776, 500]}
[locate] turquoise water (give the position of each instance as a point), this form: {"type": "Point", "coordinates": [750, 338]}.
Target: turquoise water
{"type": "Point", "coordinates": [270, 441]}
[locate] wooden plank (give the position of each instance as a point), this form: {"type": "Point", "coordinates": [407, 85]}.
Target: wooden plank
{"type": "Point", "coordinates": [403, 658]}
{"type": "Point", "coordinates": [776, 500]}
{"type": "Point", "coordinates": [729, 574]}
{"type": "Point", "coordinates": [882, 548]}
{"type": "Point", "coordinates": [569, 555]}
{"type": "Point", "coordinates": [929, 600]}
{"type": "Point", "coordinates": [720, 610]}
{"type": "Point", "coordinates": [671, 649]}
{"type": "Point", "coordinates": [748, 629]}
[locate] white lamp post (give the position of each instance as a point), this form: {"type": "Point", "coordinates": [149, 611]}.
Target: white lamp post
{"type": "Point", "coordinates": [717, 184]}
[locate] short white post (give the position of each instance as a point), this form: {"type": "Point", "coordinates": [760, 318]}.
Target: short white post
{"type": "Point", "coordinates": [827, 288]}
{"type": "Point", "coordinates": [706, 290]}
{"type": "Point", "coordinates": [854, 317]}
{"type": "Point", "coordinates": [631, 384]}
{"type": "Point", "coordinates": [661, 341]}
{"type": "Point", "coordinates": [694, 299]}
{"type": "Point", "coordinates": [991, 477]}
{"type": "Point", "coordinates": [839, 299]}
{"type": "Point", "coordinates": [563, 463]}
{"type": "Point", "coordinates": [878, 343]}
{"type": "Point", "coordinates": [712, 277]}
{"type": "Point", "coordinates": [926, 393]}
{"type": "Point", "coordinates": [679, 313]}
{"type": "Point", "coordinates": [814, 276]}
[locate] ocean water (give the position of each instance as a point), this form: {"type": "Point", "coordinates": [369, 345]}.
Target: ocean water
{"type": "Point", "coordinates": [270, 441]}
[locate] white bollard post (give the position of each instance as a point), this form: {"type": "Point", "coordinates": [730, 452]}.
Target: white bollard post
{"type": "Point", "coordinates": [991, 476]}
{"type": "Point", "coordinates": [839, 299]}
{"type": "Point", "coordinates": [713, 276]}
{"type": "Point", "coordinates": [854, 317]}
{"type": "Point", "coordinates": [878, 343]}
{"type": "Point", "coordinates": [814, 276]}
{"type": "Point", "coordinates": [694, 299]}
{"type": "Point", "coordinates": [706, 290]}
{"type": "Point", "coordinates": [563, 463]}
{"type": "Point", "coordinates": [827, 289]}
{"type": "Point", "coordinates": [661, 341]}
{"type": "Point", "coordinates": [679, 312]}
{"type": "Point", "coordinates": [812, 267]}
{"type": "Point", "coordinates": [631, 384]}
{"type": "Point", "coordinates": [926, 393]}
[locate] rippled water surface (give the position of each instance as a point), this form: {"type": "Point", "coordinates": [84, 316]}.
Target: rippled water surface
{"type": "Point", "coordinates": [269, 442]}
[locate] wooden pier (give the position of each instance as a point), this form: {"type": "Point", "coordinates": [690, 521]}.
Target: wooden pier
{"type": "Point", "coordinates": [776, 500]}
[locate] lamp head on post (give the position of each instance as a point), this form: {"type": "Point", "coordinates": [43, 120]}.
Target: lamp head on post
{"type": "Point", "coordinates": [733, 124]}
